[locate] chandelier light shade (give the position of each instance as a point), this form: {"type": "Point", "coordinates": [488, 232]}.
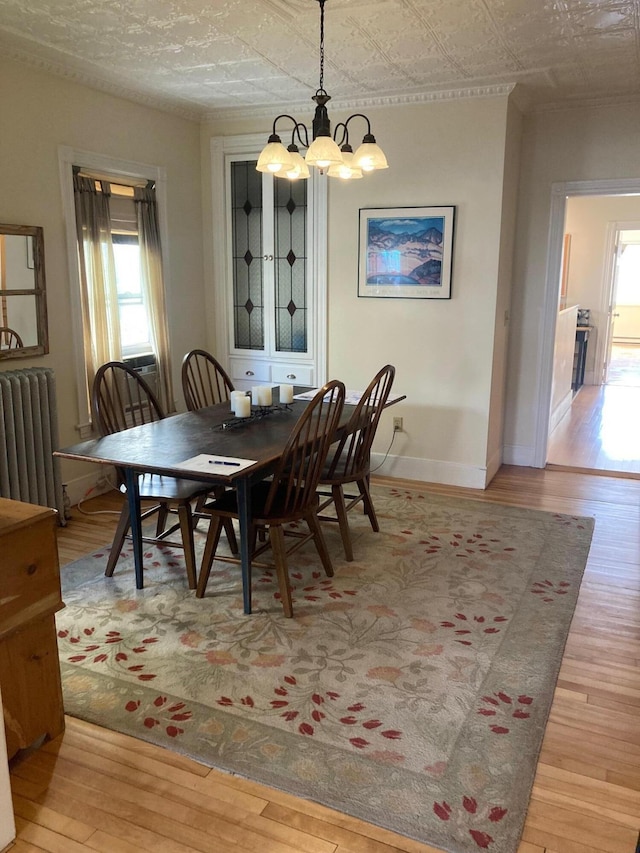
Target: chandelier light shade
{"type": "Point", "coordinates": [329, 153]}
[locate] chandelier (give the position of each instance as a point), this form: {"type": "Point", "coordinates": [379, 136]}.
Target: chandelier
{"type": "Point", "coordinates": [326, 152]}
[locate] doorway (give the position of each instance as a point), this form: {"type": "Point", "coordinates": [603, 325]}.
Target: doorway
{"type": "Point", "coordinates": [622, 359]}
{"type": "Point", "coordinates": [596, 433]}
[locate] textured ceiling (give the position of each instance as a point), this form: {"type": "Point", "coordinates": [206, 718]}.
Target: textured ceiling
{"type": "Point", "coordinates": [201, 59]}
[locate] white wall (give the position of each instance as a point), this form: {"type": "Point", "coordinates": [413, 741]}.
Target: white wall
{"type": "Point", "coordinates": [39, 113]}
{"type": "Point", "coordinates": [443, 350]}
{"type": "Point", "coordinates": [579, 144]}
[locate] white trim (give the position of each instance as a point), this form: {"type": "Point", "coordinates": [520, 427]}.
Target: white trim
{"type": "Point", "coordinates": [559, 194]}
{"type": "Point", "coordinates": [67, 158]}
{"type": "Point", "coordinates": [430, 471]}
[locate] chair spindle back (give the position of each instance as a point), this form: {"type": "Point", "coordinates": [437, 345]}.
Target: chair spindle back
{"type": "Point", "coordinates": [121, 398]}
{"type": "Point", "coordinates": [352, 453]}
{"type": "Point", "coordinates": [204, 380]}
{"type": "Point", "coordinates": [295, 481]}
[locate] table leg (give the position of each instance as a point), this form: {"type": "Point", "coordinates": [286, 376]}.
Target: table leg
{"type": "Point", "coordinates": [133, 498]}
{"type": "Point", "coordinates": [244, 519]}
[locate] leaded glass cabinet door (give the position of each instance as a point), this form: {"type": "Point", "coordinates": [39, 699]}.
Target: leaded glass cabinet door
{"type": "Point", "coordinates": [290, 312]}
{"type": "Point", "coordinates": [270, 267]}
{"type": "Point", "coordinates": [247, 257]}
{"type": "Point", "coordinates": [269, 225]}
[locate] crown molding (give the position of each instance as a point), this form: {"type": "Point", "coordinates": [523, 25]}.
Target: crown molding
{"type": "Point", "coordinates": [391, 100]}
{"type": "Point", "coordinates": [528, 100]}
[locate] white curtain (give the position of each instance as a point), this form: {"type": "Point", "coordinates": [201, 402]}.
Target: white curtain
{"type": "Point", "coordinates": [101, 318]}
{"type": "Point", "coordinates": [153, 288]}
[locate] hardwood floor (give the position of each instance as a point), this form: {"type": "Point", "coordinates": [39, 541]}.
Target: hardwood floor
{"type": "Point", "coordinates": [94, 790]}
{"type": "Point", "coordinates": [599, 433]}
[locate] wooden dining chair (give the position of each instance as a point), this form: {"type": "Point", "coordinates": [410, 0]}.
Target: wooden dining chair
{"type": "Point", "coordinates": [289, 496]}
{"type": "Point", "coordinates": [9, 339]}
{"type": "Point", "coordinates": [349, 460]}
{"type": "Point", "coordinates": [121, 399]}
{"type": "Point", "coordinates": [204, 381]}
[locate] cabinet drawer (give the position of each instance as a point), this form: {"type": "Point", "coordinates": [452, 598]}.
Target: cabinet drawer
{"type": "Point", "coordinates": [291, 374]}
{"type": "Point", "coordinates": [30, 580]}
{"type": "Point", "coordinates": [249, 370]}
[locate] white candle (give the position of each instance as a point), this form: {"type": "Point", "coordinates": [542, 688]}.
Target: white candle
{"type": "Point", "coordinates": [235, 396]}
{"type": "Point", "coordinates": [264, 395]}
{"type": "Point", "coordinates": [255, 395]}
{"type": "Point", "coordinates": [243, 407]}
{"type": "Point", "coordinates": [286, 394]}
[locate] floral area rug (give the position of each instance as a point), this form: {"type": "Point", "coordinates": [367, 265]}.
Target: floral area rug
{"type": "Point", "coordinates": [410, 690]}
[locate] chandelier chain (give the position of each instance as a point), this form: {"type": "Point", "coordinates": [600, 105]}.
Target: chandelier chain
{"type": "Point", "coordinates": [326, 151]}
{"type": "Point", "coordinates": [321, 45]}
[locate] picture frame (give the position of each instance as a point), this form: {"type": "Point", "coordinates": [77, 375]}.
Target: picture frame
{"type": "Point", "coordinates": [406, 252]}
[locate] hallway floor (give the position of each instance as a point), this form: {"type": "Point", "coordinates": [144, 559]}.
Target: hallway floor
{"type": "Point", "coordinates": [600, 431]}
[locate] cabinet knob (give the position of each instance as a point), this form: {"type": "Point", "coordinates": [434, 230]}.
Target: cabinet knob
{"type": "Point", "coordinates": [267, 257]}
{"type": "Point", "coordinates": [248, 373]}
{"type": "Point", "coordinates": [291, 376]}
{"type": "Point", "coordinates": [32, 569]}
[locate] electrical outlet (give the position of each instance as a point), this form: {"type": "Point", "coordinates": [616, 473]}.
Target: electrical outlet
{"type": "Point", "coordinates": [397, 424]}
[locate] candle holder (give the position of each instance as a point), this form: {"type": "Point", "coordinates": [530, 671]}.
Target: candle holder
{"type": "Point", "coordinates": [257, 414]}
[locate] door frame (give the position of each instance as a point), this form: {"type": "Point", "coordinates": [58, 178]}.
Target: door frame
{"type": "Point", "coordinates": [560, 191]}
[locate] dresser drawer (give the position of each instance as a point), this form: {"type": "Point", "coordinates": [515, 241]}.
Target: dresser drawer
{"type": "Point", "coordinates": [249, 370]}
{"type": "Point", "coordinates": [291, 374]}
{"type": "Point", "coordinates": [29, 574]}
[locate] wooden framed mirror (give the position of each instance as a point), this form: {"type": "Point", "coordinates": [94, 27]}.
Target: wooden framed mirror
{"type": "Point", "coordinates": [23, 302]}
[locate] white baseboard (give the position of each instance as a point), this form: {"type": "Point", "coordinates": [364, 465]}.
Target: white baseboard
{"type": "Point", "coordinates": [430, 471]}
{"type": "Point", "coordinates": [90, 485]}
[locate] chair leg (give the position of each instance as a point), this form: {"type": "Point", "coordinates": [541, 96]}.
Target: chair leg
{"type": "Point", "coordinates": [319, 541]}
{"type": "Point", "coordinates": [186, 529]}
{"type": "Point", "coordinates": [161, 521]}
{"type": "Point", "coordinates": [210, 548]}
{"type": "Point", "coordinates": [231, 536]}
{"type": "Point", "coordinates": [276, 536]}
{"type": "Point", "coordinates": [200, 502]}
{"type": "Point", "coordinates": [363, 485]}
{"type": "Point", "coordinates": [118, 540]}
{"type": "Point", "coordinates": [341, 513]}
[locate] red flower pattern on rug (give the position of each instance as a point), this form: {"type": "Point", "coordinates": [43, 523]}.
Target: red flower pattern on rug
{"type": "Point", "coordinates": [470, 811]}
{"type": "Point", "coordinates": [501, 706]}
{"type": "Point", "coordinates": [112, 649]}
{"type": "Point", "coordinates": [162, 712]}
{"type": "Point", "coordinates": [309, 710]}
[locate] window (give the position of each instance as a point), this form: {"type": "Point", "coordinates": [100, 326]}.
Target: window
{"type": "Point", "coordinates": [114, 212]}
{"type": "Point", "coordinates": [135, 337]}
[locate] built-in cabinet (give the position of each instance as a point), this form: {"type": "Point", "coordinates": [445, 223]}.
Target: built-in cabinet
{"type": "Point", "coordinates": [270, 265]}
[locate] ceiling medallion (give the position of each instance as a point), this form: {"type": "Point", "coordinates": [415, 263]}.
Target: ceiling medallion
{"type": "Point", "coordinates": [332, 153]}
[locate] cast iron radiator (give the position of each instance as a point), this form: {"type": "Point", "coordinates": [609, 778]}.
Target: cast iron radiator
{"type": "Point", "coordinates": [28, 437]}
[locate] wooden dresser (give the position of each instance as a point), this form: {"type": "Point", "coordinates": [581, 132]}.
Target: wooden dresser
{"type": "Point", "coordinates": [29, 598]}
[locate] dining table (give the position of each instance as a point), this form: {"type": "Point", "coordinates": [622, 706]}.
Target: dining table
{"type": "Point", "coordinates": [212, 433]}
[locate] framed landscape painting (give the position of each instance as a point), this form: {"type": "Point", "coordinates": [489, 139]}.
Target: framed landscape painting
{"type": "Point", "coordinates": [406, 252]}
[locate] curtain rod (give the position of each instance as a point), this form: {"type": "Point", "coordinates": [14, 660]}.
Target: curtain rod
{"type": "Point", "coordinates": [114, 179]}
